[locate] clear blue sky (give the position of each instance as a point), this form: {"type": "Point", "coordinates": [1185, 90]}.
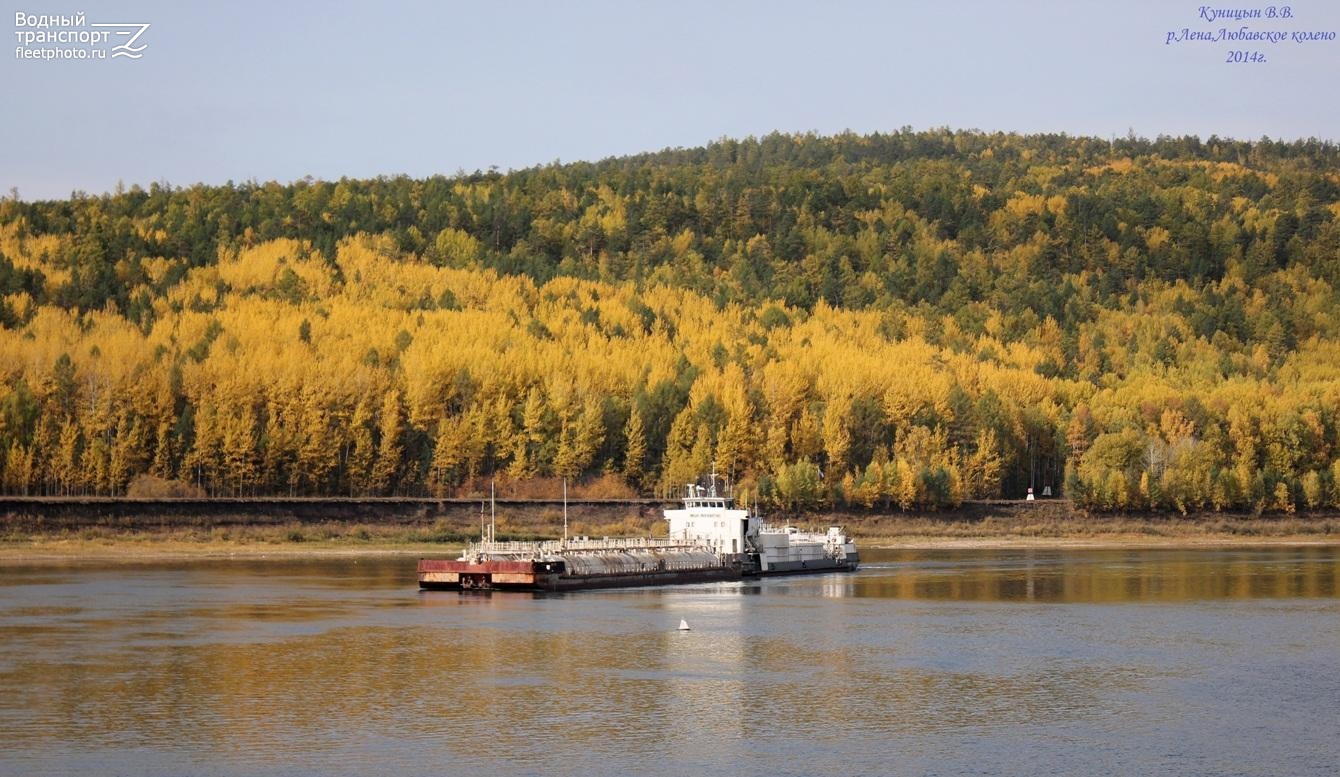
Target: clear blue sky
{"type": "Point", "coordinates": [279, 91]}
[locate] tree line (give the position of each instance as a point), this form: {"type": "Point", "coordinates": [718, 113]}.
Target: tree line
{"type": "Point", "coordinates": [896, 321]}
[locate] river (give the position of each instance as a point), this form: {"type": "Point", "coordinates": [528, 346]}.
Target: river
{"type": "Point", "coordinates": [1210, 661]}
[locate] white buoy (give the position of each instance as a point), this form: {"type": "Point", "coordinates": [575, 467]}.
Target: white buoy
{"type": "Point", "coordinates": [683, 625]}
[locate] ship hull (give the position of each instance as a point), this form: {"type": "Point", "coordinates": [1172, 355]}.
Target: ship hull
{"type": "Point", "coordinates": [809, 566]}
{"type": "Point", "coordinates": [460, 575]}
{"type": "Point", "coordinates": [582, 572]}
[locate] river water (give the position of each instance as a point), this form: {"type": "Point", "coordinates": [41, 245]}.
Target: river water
{"type": "Point", "coordinates": [983, 662]}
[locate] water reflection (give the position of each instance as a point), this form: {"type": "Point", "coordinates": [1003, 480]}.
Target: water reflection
{"type": "Point", "coordinates": [952, 662]}
{"type": "Point", "coordinates": [1096, 575]}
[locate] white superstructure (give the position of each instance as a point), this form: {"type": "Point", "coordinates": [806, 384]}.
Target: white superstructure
{"type": "Point", "coordinates": [787, 549]}
{"type": "Point", "coordinates": [711, 519]}
{"type": "Point", "coordinates": [708, 518]}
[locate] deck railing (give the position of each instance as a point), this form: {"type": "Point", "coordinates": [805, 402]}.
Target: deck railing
{"type": "Point", "coordinates": [544, 547]}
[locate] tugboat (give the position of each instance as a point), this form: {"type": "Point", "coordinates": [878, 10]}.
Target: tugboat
{"type": "Point", "coordinates": [709, 540]}
{"type": "Point", "coordinates": [711, 519]}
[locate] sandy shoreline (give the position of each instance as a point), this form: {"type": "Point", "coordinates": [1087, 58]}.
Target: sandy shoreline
{"type": "Point", "coordinates": [68, 551]}
{"type": "Point", "coordinates": [1084, 543]}
{"type": "Point", "coordinates": [37, 553]}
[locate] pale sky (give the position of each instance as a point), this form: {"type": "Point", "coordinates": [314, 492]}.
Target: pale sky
{"type": "Point", "coordinates": [278, 91]}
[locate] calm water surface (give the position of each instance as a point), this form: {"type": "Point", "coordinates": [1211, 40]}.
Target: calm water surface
{"type": "Point", "coordinates": [1214, 662]}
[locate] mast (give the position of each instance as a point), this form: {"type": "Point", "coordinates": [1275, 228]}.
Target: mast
{"type": "Point", "coordinates": [493, 514]}
{"type": "Point", "coordinates": [565, 512]}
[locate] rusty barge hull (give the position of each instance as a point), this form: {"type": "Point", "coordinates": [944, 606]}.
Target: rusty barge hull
{"type": "Point", "coordinates": [499, 575]}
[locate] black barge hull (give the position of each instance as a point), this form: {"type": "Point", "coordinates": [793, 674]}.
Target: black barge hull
{"type": "Point", "coordinates": [459, 575]}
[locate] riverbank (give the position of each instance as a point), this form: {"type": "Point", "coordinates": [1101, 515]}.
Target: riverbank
{"type": "Point", "coordinates": [279, 540]}
{"type": "Point", "coordinates": [1073, 529]}
{"type": "Point", "coordinates": [1025, 528]}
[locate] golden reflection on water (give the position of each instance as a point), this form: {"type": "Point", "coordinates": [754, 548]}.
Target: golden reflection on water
{"type": "Point", "coordinates": [1100, 576]}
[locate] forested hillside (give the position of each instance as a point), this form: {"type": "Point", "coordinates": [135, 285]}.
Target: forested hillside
{"type": "Point", "coordinates": [907, 319]}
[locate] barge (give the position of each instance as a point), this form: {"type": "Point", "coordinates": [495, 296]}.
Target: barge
{"type": "Point", "coordinates": [709, 540]}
